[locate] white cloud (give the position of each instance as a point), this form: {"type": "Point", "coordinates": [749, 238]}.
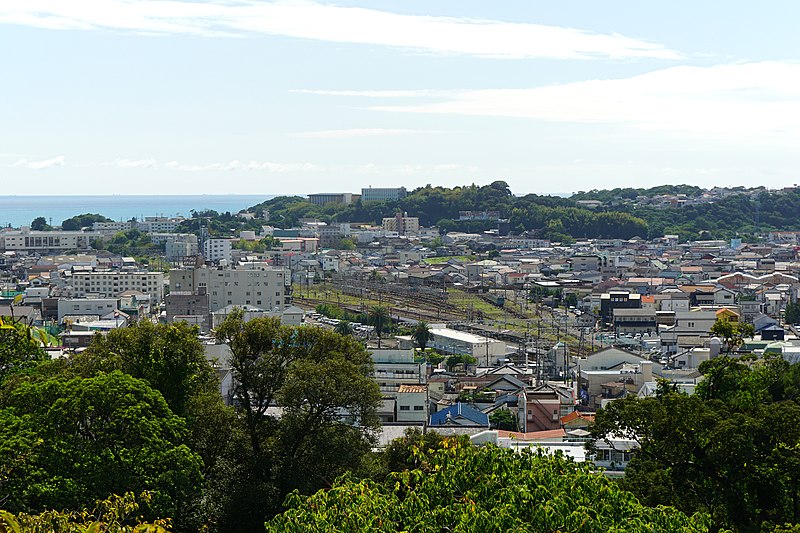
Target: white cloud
{"type": "Point", "coordinates": [57, 161]}
{"type": "Point", "coordinates": [358, 132]}
{"type": "Point", "coordinates": [134, 163]}
{"type": "Point", "coordinates": [235, 165]}
{"type": "Point", "coordinates": [325, 22]}
{"type": "Point", "coordinates": [743, 100]}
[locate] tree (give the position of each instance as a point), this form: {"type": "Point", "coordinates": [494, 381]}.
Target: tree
{"type": "Point", "coordinates": [65, 443]}
{"type": "Point", "coordinates": [791, 314]}
{"type": "Point", "coordinates": [344, 328]}
{"type": "Point", "coordinates": [504, 419]}
{"type": "Point", "coordinates": [379, 318]}
{"type": "Point", "coordinates": [729, 450]}
{"type": "Point", "coordinates": [460, 487]}
{"type": "Point", "coordinates": [170, 357]}
{"type": "Point", "coordinates": [322, 382]}
{"type": "Point", "coordinates": [732, 333]}
{"type": "Point", "coordinates": [20, 346]}
{"type": "Point", "coordinates": [116, 514]}
{"type": "Point", "coordinates": [79, 222]}
{"type": "Point", "coordinates": [422, 334]}
{"type": "Point", "coordinates": [40, 224]}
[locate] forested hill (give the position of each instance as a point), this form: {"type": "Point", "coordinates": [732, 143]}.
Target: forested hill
{"type": "Point", "coordinates": [622, 213]}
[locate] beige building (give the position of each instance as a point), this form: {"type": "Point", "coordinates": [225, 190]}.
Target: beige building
{"type": "Point", "coordinates": [110, 284]}
{"type": "Point", "coordinates": [404, 225]}
{"type": "Point", "coordinates": [264, 287]}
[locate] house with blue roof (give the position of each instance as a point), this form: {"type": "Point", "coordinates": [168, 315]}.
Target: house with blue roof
{"type": "Point", "coordinates": [459, 418]}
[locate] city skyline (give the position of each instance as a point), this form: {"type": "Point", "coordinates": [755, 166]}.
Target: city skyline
{"type": "Point", "coordinates": [174, 97]}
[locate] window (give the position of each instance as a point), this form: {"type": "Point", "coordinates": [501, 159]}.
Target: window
{"type": "Point", "coordinates": [418, 408]}
{"type": "Point", "coordinates": [405, 408]}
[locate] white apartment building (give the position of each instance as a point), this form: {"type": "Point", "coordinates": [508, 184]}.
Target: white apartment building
{"type": "Point", "coordinates": [111, 226]}
{"type": "Point", "coordinates": [216, 250]}
{"type": "Point", "coordinates": [181, 245]}
{"type": "Point", "coordinates": [158, 224]}
{"type": "Point", "coordinates": [264, 287]}
{"type": "Point", "coordinates": [394, 368]}
{"type": "Point", "coordinates": [109, 284]}
{"type": "Point", "coordinates": [44, 241]}
{"type": "Point", "coordinates": [86, 306]}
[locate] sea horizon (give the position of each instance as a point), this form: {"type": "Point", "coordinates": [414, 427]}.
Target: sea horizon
{"type": "Point", "coordinates": [20, 210]}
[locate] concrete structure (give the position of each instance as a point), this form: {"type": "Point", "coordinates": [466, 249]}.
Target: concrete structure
{"type": "Point", "coordinates": [86, 307]}
{"type": "Point", "coordinates": [110, 283]}
{"type": "Point", "coordinates": [394, 368]}
{"type": "Point", "coordinates": [265, 287]}
{"type": "Point", "coordinates": [216, 250]}
{"type": "Point", "coordinates": [412, 404]}
{"type": "Point", "coordinates": [180, 246]}
{"type": "Point", "coordinates": [331, 198]}
{"type": "Point", "coordinates": [485, 350]}
{"type": "Point", "coordinates": [402, 224]}
{"type": "Point", "coordinates": [158, 224]}
{"type": "Point", "coordinates": [44, 241]}
{"type": "Point", "coordinates": [385, 194]}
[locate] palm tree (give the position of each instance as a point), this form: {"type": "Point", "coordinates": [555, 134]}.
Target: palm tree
{"type": "Point", "coordinates": [379, 317]}
{"type": "Point", "coordinates": [344, 328]}
{"type": "Point", "coordinates": [422, 334]}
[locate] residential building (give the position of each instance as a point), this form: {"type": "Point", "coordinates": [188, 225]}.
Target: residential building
{"type": "Point", "coordinates": [111, 283]}
{"type": "Point", "coordinates": [86, 307]}
{"type": "Point", "coordinates": [216, 250]}
{"type": "Point", "coordinates": [402, 224]}
{"type": "Point", "coordinates": [412, 404]}
{"type": "Point", "coordinates": [181, 246]}
{"type": "Point", "coordinates": [265, 287]}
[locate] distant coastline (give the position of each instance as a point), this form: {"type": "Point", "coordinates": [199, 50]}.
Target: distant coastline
{"type": "Point", "coordinates": [21, 210]}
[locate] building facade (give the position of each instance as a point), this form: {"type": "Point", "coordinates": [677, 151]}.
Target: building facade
{"type": "Point", "coordinates": [110, 284]}
{"type": "Point", "coordinates": [265, 287]}
{"type": "Point", "coordinates": [383, 194]}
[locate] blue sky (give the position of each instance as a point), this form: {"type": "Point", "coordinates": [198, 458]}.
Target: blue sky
{"type": "Point", "coordinates": [171, 97]}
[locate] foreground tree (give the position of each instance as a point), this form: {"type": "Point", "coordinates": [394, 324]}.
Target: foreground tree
{"type": "Point", "coordinates": [168, 356]}
{"type": "Point", "coordinates": [458, 487]}
{"type": "Point", "coordinates": [730, 450]}
{"type": "Point", "coordinates": [66, 443]}
{"type": "Point", "coordinates": [20, 347]}
{"type": "Point", "coordinates": [328, 405]}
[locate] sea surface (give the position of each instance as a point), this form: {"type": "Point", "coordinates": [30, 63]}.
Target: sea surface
{"type": "Point", "coordinates": [19, 211]}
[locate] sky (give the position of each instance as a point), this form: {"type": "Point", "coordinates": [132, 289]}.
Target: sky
{"type": "Point", "coordinates": [297, 97]}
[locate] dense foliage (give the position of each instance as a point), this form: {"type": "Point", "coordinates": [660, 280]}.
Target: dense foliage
{"type": "Point", "coordinates": [731, 450]}
{"type": "Point", "coordinates": [458, 487]}
{"type": "Point", "coordinates": [141, 411]}
{"type": "Point", "coordinates": [556, 218]}
{"type": "Point", "coordinates": [85, 220]}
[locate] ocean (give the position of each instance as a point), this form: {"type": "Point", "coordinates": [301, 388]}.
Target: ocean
{"type": "Point", "coordinates": [19, 211]}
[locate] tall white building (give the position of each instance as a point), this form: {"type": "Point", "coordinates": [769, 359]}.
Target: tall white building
{"type": "Point", "coordinates": [110, 283]}
{"type": "Point", "coordinates": [181, 245]}
{"type": "Point", "coordinates": [265, 287]}
{"type": "Point", "coordinates": [216, 250]}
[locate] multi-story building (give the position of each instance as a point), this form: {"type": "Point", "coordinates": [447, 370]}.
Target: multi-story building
{"type": "Point", "coordinates": [266, 287]}
{"type": "Point", "coordinates": [385, 194]}
{"type": "Point", "coordinates": [323, 198]}
{"type": "Point", "coordinates": [111, 226]}
{"type": "Point", "coordinates": [180, 246]}
{"type": "Point", "coordinates": [216, 250]}
{"type": "Point", "coordinates": [402, 224]}
{"type": "Point", "coordinates": [44, 241]}
{"type": "Point", "coordinates": [110, 283]}
{"type": "Point", "coordinates": [86, 306]}
{"type": "Point", "coordinates": [158, 224]}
